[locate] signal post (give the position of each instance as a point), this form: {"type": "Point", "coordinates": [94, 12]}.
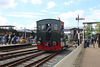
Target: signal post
{"type": "Point", "coordinates": [78, 29]}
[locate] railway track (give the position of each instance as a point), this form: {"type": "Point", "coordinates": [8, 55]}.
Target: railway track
{"type": "Point", "coordinates": [36, 63]}
{"type": "Point", "coordinates": [20, 48]}
{"type": "Point", "coordinates": [38, 59]}
{"type": "Point", "coordinates": [41, 61]}
{"type": "Point", "coordinates": [16, 54]}
{"type": "Point", "coordinates": [22, 60]}
{"type": "Point", "coordinates": [25, 58]}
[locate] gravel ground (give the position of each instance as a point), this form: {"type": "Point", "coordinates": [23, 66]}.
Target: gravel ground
{"type": "Point", "coordinates": [56, 59]}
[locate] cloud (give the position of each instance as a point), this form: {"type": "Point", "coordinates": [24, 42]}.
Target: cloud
{"type": "Point", "coordinates": [50, 5]}
{"type": "Point", "coordinates": [69, 2]}
{"type": "Point", "coordinates": [36, 1]}
{"type": "Point", "coordinates": [94, 14]}
{"type": "Point", "coordinates": [3, 21]}
{"type": "Point", "coordinates": [91, 9]}
{"type": "Point", "coordinates": [7, 4]}
{"type": "Point", "coordinates": [88, 20]}
{"type": "Point", "coordinates": [69, 17]}
{"type": "Point", "coordinates": [25, 16]}
{"type": "Point", "coordinates": [20, 26]}
{"type": "Point", "coordinates": [28, 13]}
{"type": "Point", "coordinates": [25, 1]}
{"type": "Point", "coordinates": [43, 10]}
{"type": "Point", "coordinates": [71, 14]}
{"type": "Point", "coordinates": [54, 12]}
{"type": "Point", "coordinates": [66, 22]}
{"type": "Point", "coordinates": [32, 26]}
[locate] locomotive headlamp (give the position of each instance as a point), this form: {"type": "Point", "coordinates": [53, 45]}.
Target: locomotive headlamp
{"type": "Point", "coordinates": [54, 43]}
{"type": "Point", "coordinates": [38, 42]}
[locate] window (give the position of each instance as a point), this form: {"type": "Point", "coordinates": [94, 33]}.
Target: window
{"type": "Point", "coordinates": [55, 27]}
{"type": "Point", "coordinates": [43, 27]}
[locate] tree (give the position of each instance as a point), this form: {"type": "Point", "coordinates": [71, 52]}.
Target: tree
{"type": "Point", "coordinates": [97, 27]}
{"type": "Point", "coordinates": [88, 30]}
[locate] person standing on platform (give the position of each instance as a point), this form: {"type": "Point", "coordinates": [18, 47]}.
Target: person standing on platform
{"type": "Point", "coordinates": [5, 37]}
{"type": "Point", "coordinates": [9, 38]}
{"type": "Point", "coordinates": [95, 39]}
{"type": "Point", "coordinates": [87, 40]}
{"type": "Point", "coordinates": [34, 40]}
{"type": "Point", "coordinates": [15, 39]}
{"type": "Point", "coordinates": [92, 42]}
{"type": "Point", "coordinates": [2, 40]}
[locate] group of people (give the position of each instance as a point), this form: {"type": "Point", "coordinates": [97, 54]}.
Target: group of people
{"type": "Point", "coordinates": [10, 39]}
{"type": "Point", "coordinates": [13, 39]}
{"type": "Point", "coordinates": [88, 41]}
{"type": "Point", "coordinates": [32, 39]}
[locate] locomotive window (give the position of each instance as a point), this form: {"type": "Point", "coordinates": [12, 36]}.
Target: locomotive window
{"type": "Point", "coordinates": [39, 27]}
{"type": "Point", "coordinates": [47, 25]}
{"type": "Point", "coordinates": [55, 27]}
{"type": "Point", "coordinates": [43, 27]}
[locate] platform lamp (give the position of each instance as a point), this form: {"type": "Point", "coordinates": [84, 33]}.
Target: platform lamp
{"type": "Point", "coordinates": [25, 31]}
{"type": "Point", "coordinates": [83, 33]}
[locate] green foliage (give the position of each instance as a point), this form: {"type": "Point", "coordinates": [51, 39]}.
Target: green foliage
{"type": "Point", "coordinates": [88, 31]}
{"type": "Point", "coordinates": [97, 27]}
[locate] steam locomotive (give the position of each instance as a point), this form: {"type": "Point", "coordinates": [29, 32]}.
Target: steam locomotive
{"type": "Point", "coordinates": [50, 35]}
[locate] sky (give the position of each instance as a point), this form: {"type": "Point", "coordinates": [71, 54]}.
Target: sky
{"type": "Point", "coordinates": [25, 13]}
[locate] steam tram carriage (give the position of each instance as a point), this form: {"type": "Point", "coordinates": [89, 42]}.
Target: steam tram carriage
{"type": "Point", "coordinates": [54, 40]}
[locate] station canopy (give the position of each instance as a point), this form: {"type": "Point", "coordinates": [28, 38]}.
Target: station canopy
{"type": "Point", "coordinates": [90, 22]}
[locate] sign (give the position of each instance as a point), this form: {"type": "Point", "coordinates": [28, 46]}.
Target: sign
{"type": "Point", "coordinates": [80, 18]}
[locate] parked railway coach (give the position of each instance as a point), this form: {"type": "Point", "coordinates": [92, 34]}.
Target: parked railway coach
{"type": "Point", "coordinates": [50, 35]}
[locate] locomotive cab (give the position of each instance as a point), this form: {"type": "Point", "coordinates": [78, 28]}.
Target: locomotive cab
{"type": "Point", "coordinates": [50, 35]}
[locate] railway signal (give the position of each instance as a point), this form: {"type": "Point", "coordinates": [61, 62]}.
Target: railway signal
{"type": "Point", "coordinates": [77, 18]}
{"type": "Point", "coordinates": [80, 19]}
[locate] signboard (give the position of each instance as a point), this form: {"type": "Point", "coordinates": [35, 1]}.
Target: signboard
{"type": "Point", "coordinates": [80, 18]}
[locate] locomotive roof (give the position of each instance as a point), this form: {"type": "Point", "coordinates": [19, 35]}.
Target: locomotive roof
{"type": "Point", "coordinates": [48, 20]}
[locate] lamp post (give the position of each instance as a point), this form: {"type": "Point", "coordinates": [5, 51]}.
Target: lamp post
{"type": "Point", "coordinates": [84, 33]}
{"type": "Point", "coordinates": [25, 31]}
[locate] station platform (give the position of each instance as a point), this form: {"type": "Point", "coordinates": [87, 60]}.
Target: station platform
{"type": "Point", "coordinates": [11, 45]}
{"type": "Point", "coordinates": [90, 57]}
{"type": "Point", "coordinates": [15, 45]}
